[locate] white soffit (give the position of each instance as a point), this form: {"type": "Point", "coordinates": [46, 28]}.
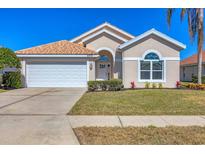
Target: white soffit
{"type": "Point", "coordinates": [155, 32]}
{"type": "Point", "coordinates": [99, 27]}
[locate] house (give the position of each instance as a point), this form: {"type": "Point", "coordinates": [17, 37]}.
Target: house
{"type": "Point", "coordinates": [8, 69]}
{"type": "Point", "coordinates": [103, 53]}
{"type": "Point", "coordinates": [188, 67]}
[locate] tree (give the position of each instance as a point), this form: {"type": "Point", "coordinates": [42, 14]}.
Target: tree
{"type": "Point", "coordinates": [196, 27]}
{"type": "Point", "coordinates": [8, 59]}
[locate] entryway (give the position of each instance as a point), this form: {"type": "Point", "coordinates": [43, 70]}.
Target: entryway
{"type": "Point", "coordinates": [104, 66]}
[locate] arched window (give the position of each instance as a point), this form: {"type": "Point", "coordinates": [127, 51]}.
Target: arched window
{"type": "Point", "coordinates": [104, 58]}
{"type": "Point", "coordinates": [152, 56]}
{"type": "Point", "coordinates": [151, 68]}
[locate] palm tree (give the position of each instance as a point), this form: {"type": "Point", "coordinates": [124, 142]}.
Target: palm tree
{"type": "Point", "coordinates": [196, 27]}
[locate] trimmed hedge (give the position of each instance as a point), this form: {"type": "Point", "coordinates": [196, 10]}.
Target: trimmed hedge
{"type": "Point", "coordinates": [110, 85]}
{"type": "Point", "coordinates": [12, 80]}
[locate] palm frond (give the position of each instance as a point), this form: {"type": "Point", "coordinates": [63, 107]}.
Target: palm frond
{"type": "Point", "coordinates": [182, 14]}
{"type": "Point", "coordinates": [193, 22]}
{"type": "Point", "coordinates": [169, 16]}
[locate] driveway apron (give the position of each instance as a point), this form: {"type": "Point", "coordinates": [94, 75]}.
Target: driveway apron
{"type": "Point", "coordinates": [37, 115]}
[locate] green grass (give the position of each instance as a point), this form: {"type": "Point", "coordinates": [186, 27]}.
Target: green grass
{"type": "Point", "coordinates": [1, 90]}
{"type": "Point", "coordinates": [142, 102]}
{"type": "Point", "coordinates": [141, 135]}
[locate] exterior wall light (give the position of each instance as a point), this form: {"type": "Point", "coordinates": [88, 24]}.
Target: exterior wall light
{"type": "Point", "coordinates": [91, 66]}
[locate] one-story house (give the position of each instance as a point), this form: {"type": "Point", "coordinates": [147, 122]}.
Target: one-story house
{"type": "Point", "coordinates": [188, 67]}
{"type": "Point", "coordinates": [103, 53]}
{"type": "Point", "coordinates": [8, 69]}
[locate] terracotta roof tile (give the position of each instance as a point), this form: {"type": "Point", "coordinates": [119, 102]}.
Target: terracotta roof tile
{"type": "Point", "coordinates": [192, 59]}
{"type": "Point", "coordinates": [60, 47]}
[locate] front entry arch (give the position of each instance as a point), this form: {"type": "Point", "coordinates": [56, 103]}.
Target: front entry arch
{"type": "Point", "coordinates": [104, 66]}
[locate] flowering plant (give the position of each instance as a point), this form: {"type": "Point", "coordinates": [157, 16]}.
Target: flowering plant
{"type": "Point", "coordinates": [178, 84]}
{"type": "Point", "coordinates": [133, 85]}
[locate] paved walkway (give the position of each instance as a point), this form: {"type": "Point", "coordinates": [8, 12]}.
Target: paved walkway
{"type": "Point", "coordinates": [136, 121]}
{"type": "Point", "coordinates": [37, 115]}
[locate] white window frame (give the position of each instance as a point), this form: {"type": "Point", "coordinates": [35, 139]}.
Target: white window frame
{"type": "Point", "coordinates": [151, 70]}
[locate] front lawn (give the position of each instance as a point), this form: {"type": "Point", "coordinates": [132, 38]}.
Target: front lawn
{"type": "Point", "coordinates": [1, 90]}
{"type": "Point", "coordinates": [141, 135]}
{"type": "Point", "coordinates": [142, 102]}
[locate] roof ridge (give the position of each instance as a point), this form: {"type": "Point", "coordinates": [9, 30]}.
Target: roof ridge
{"type": "Point", "coordinates": [100, 26]}
{"type": "Point", "coordinates": [39, 45]}
{"type": "Point", "coordinates": [155, 32]}
{"type": "Point", "coordinates": [58, 47]}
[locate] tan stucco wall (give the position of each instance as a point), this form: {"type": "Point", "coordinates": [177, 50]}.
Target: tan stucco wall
{"type": "Point", "coordinates": [152, 42]}
{"type": "Point", "coordinates": [106, 41]}
{"type": "Point", "coordinates": [91, 71]}
{"type": "Point", "coordinates": [130, 67]}
{"type": "Point", "coordinates": [129, 72]}
{"type": "Point", "coordinates": [172, 73]}
{"type": "Point", "coordinates": [103, 40]}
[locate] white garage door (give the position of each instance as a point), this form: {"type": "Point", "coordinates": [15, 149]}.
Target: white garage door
{"type": "Point", "coordinates": [57, 74]}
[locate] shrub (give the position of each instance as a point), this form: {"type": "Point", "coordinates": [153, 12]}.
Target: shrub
{"type": "Point", "coordinates": [202, 86]}
{"type": "Point", "coordinates": [195, 79]}
{"type": "Point", "coordinates": [12, 79]}
{"type": "Point", "coordinates": [111, 85]}
{"type": "Point", "coordinates": [133, 85]}
{"type": "Point", "coordinates": [160, 85]}
{"type": "Point", "coordinates": [196, 86]}
{"type": "Point", "coordinates": [8, 59]}
{"type": "Point", "coordinates": [103, 85]}
{"type": "Point", "coordinates": [191, 85]}
{"type": "Point", "coordinates": [178, 84]}
{"type": "Point", "coordinates": [184, 85]}
{"type": "Point", "coordinates": [92, 85]}
{"type": "Point", "coordinates": [147, 85]}
{"type": "Point", "coordinates": [154, 85]}
{"type": "Point", "coordinates": [114, 85]}
{"type": "Point", "coordinates": [1, 80]}
{"type": "Point", "coordinates": [203, 79]}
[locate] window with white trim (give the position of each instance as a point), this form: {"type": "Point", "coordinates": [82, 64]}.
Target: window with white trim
{"type": "Point", "coordinates": [151, 68]}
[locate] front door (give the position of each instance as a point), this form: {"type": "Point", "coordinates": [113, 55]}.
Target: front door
{"type": "Point", "coordinates": [104, 70]}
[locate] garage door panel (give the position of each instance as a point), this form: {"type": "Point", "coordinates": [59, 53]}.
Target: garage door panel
{"type": "Point", "coordinates": [57, 75]}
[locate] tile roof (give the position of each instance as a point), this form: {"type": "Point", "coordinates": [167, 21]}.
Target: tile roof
{"type": "Point", "coordinates": [63, 47]}
{"type": "Point", "coordinates": [192, 59]}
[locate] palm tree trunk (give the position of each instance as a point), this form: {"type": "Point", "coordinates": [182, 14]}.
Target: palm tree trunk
{"type": "Point", "coordinates": [200, 43]}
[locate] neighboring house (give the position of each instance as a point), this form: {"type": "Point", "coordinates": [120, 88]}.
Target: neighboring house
{"type": "Point", "coordinates": [188, 67]}
{"type": "Point", "coordinates": [8, 69]}
{"type": "Point", "coordinates": [103, 53]}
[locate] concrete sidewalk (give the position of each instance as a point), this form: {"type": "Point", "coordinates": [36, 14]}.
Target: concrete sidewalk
{"type": "Point", "coordinates": [36, 130]}
{"type": "Point", "coordinates": [136, 121]}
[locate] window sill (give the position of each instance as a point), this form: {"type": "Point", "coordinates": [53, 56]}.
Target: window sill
{"type": "Point", "coordinates": [153, 81]}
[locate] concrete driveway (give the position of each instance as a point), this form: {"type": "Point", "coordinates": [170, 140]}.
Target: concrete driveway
{"type": "Point", "coordinates": [37, 115]}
